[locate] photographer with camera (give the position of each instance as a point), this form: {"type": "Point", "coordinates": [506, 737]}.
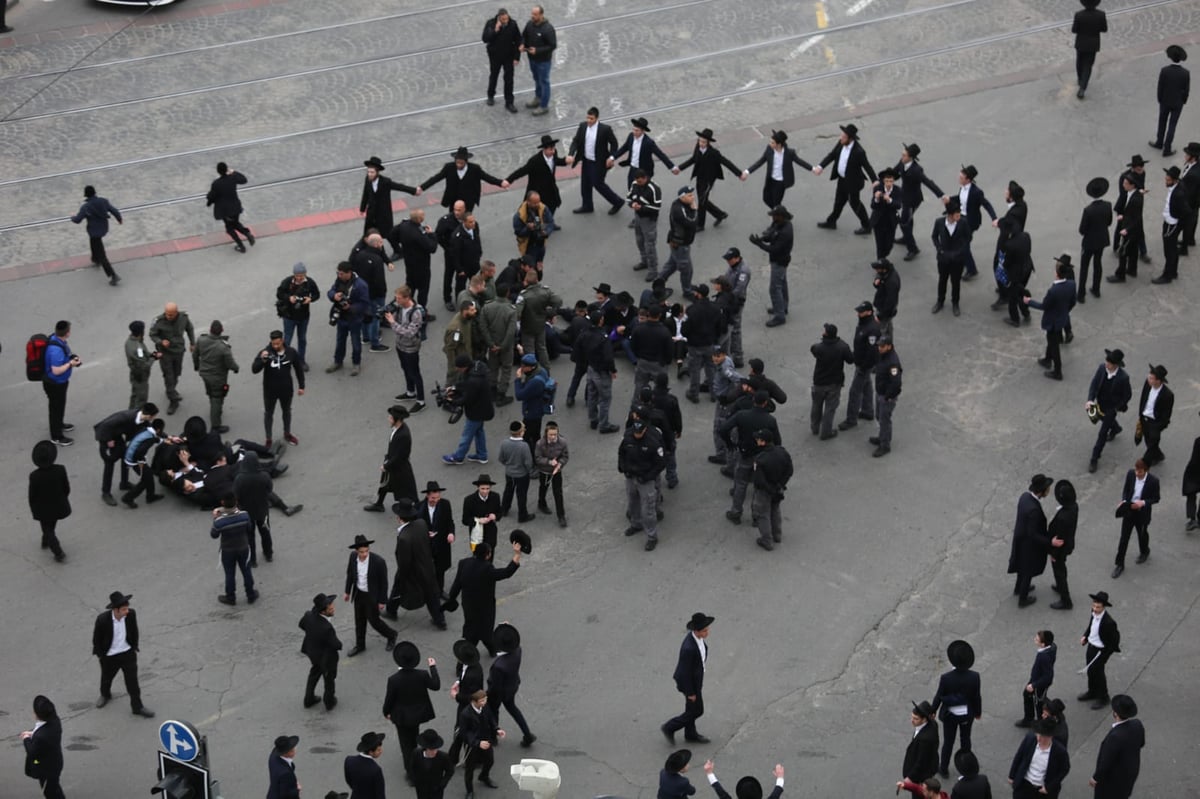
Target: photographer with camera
{"type": "Point", "coordinates": [532, 225]}
{"type": "Point", "coordinates": [292, 300]}
{"type": "Point", "coordinates": [407, 319]}
{"type": "Point", "coordinates": [474, 394]}
{"type": "Point", "coordinates": [277, 362]}
{"type": "Point", "coordinates": [351, 306]}
{"type": "Point", "coordinates": [776, 241]}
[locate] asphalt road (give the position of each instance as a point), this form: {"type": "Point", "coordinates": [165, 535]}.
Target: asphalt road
{"type": "Point", "coordinates": [818, 648]}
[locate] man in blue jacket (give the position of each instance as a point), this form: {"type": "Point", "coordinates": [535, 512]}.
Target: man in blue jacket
{"type": "Point", "coordinates": [351, 302]}
{"type": "Point", "coordinates": [530, 389]}
{"type": "Point", "coordinates": [1056, 315]}
{"type": "Point", "coordinates": [96, 210]}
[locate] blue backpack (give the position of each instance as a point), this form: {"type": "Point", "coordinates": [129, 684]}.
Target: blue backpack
{"type": "Point", "coordinates": [548, 394]}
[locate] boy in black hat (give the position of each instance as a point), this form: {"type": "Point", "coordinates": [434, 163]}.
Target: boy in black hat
{"type": "Point", "coordinates": [321, 644]}
{"type": "Point", "coordinates": [1108, 393]}
{"type": "Point", "coordinates": [1056, 315]}
{"type": "Point", "coordinates": [517, 460]}
{"type": "Point", "coordinates": [885, 212]}
{"type": "Point", "coordinates": [376, 202]}
{"type": "Point", "coordinates": [468, 679]}
{"type": "Point", "coordinates": [49, 489]}
{"type": "Point", "coordinates": [1041, 677]}
{"type": "Point", "coordinates": [1138, 498]}
{"type": "Point", "coordinates": [367, 585]}
{"type": "Point", "coordinates": [671, 782]}
{"type": "Point", "coordinates": [708, 166]}
{"type": "Point", "coordinates": [282, 770]}
{"type": "Point", "coordinates": [396, 474]}
{"type": "Point", "coordinates": [362, 771]}
{"type": "Point", "coordinates": [1101, 639]}
{"type": "Point", "coordinates": [921, 755]}
{"type": "Point", "coordinates": [431, 768]}
{"type": "Point", "coordinates": [1174, 82]}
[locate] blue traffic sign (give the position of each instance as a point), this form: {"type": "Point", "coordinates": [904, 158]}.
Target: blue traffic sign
{"type": "Point", "coordinates": [179, 740]}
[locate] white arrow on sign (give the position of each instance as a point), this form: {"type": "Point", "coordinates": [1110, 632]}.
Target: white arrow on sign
{"type": "Point", "coordinates": [176, 743]}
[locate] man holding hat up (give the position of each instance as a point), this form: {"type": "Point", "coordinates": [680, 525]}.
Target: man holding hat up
{"type": "Point", "coordinates": [1174, 83]}
{"type": "Point", "coordinates": [406, 703]}
{"type": "Point", "coordinates": [476, 579]}
{"type": "Point", "coordinates": [1093, 227]}
{"type": "Point", "coordinates": [912, 178]}
{"type": "Point", "coordinates": [282, 769]}
{"type": "Point", "coordinates": [321, 644]}
{"type": "Point", "coordinates": [431, 768]}
{"type": "Point", "coordinates": [781, 176]}
{"type": "Point", "coordinates": [1102, 639]}
{"type": "Point", "coordinates": [689, 679]}
{"type": "Point", "coordinates": [1027, 558]}
{"type": "Point", "coordinates": [1108, 394]}
{"type": "Point", "coordinates": [366, 584]}
{"type": "Point", "coordinates": [959, 699]}
{"type": "Point", "coordinates": [464, 180]}
{"type": "Point", "coordinates": [1120, 757]}
{"type": "Point", "coordinates": [747, 787]}
{"type": "Point", "coordinates": [1040, 764]}
{"type": "Point", "coordinates": [115, 643]}
{"type": "Point", "coordinates": [851, 172]}
{"type": "Point", "coordinates": [362, 771]}
{"type": "Point", "coordinates": [1154, 412]}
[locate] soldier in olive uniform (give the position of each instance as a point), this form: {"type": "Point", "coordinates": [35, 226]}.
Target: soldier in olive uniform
{"type": "Point", "coordinates": [168, 333]}
{"type": "Point", "coordinates": [535, 305]}
{"type": "Point", "coordinates": [456, 340]}
{"type": "Point", "coordinates": [888, 375]}
{"type": "Point", "coordinates": [140, 359]}
{"type": "Point", "coordinates": [213, 359]}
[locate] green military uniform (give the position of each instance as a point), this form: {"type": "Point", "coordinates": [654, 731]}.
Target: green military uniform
{"type": "Point", "coordinates": [498, 327]}
{"type": "Point", "coordinates": [140, 359]}
{"type": "Point", "coordinates": [213, 359]}
{"type": "Point", "coordinates": [456, 341]}
{"type": "Point", "coordinates": [536, 304]}
{"type": "Point", "coordinates": [174, 331]}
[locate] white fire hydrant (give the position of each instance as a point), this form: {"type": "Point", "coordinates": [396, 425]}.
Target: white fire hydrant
{"type": "Point", "coordinates": [540, 777]}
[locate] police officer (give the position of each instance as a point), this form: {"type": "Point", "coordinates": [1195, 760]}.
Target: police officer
{"type": "Point", "coordinates": [772, 470]}
{"type": "Point", "coordinates": [738, 275]}
{"type": "Point", "coordinates": [681, 232]}
{"type": "Point", "coordinates": [168, 334]}
{"type": "Point", "coordinates": [722, 391]}
{"type": "Point", "coordinates": [668, 405]}
{"type": "Point", "coordinates": [829, 375]}
{"type": "Point", "coordinates": [887, 295]}
{"type": "Point", "coordinates": [651, 344]}
{"type": "Point", "coordinates": [645, 198]}
{"type": "Point", "coordinates": [888, 376]}
{"type": "Point", "coordinates": [703, 326]}
{"type": "Point", "coordinates": [641, 458]}
{"type": "Point", "coordinates": [776, 241]}
{"type": "Point", "coordinates": [860, 403]}
{"type": "Point", "coordinates": [213, 359]}
{"type": "Point", "coordinates": [140, 359]}
{"type": "Point", "coordinates": [746, 423]}
{"type": "Point", "coordinates": [535, 305]}
{"type": "Point", "coordinates": [457, 338]}
{"type": "Point", "coordinates": [498, 329]}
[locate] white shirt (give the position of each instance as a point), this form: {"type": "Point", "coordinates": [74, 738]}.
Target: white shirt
{"type": "Point", "coordinates": [362, 572]}
{"type": "Point", "coordinates": [919, 728]}
{"type": "Point", "coordinates": [550, 163]}
{"type": "Point", "coordinates": [635, 151]}
{"type": "Point", "coordinates": [462, 173]}
{"type": "Point", "coordinates": [1170, 220]}
{"type": "Point", "coordinates": [844, 159]}
{"type": "Point", "coordinates": [703, 651]}
{"type": "Point", "coordinates": [429, 510]}
{"type": "Point", "coordinates": [287, 760]}
{"type": "Point", "coordinates": [1036, 775]}
{"type": "Point", "coordinates": [589, 141]}
{"type": "Point", "coordinates": [1138, 484]}
{"type": "Point", "coordinates": [951, 227]}
{"type": "Point", "coordinates": [777, 166]}
{"type": "Point", "coordinates": [375, 184]}
{"type": "Point", "coordinates": [38, 725]}
{"type": "Point", "coordinates": [119, 642]}
{"type": "Point", "coordinates": [963, 193]}
{"type": "Point", "coordinates": [712, 780]}
{"type": "Point", "coordinates": [1094, 631]}
{"type": "Point", "coordinates": [1151, 399]}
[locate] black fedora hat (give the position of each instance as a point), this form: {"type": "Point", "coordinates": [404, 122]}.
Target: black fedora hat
{"type": "Point", "coordinates": [506, 637]}
{"type": "Point", "coordinates": [640, 122]}
{"type": "Point", "coordinates": [463, 153]}
{"type": "Point", "coordinates": [1063, 259]}
{"type": "Point", "coordinates": [1056, 707]}
{"type": "Point", "coordinates": [887, 172]}
{"type": "Point", "coordinates": [677, 760]}
{"type": "Point", "coordinates": [1176, 53]}
{"type": "Point", "coordinates": [970, 171]}
{"type": "Point", "coordinates": [360, 540]}
{"type": "Point", "coordinates": [117, 600]}
{"type": "Point", "coordinates": [1064, 492]}
{"type": "Point", "coordinates": [370, 741]}
{"type": "Point", "coordinates": [322, 601]}
{"type": "Point", "coordinates": [780, 210]}
{"type": "Point", "coordinates": [374, 161]}
{"type": "Point", "coordinates": [1045, 727]}
{"type": "Point", "coordinates": [953, 206]}
{"type": "Point", "coordinates": [1159, 371]}
{"type": "Point", "coordinates": [547, 141]}
{"type": "Point", "coordinates": [700, 621]}
{"type": "Point", "coordinates": [483, 479]}
{"type": "Point", "coordinates": [286, 743]}
{"type": "Point", "coordinates": [521, 539]}
{"type": "Point", "coordinates": [405, 509]}
{"type": "Point", "coordinates": [913, 149]}
{"type": "Point", "coordinates": [429, 739]}
{"type": "Point", "coordinates": [1115, 356]}
{"type": "Point", "coordinates": [1137, 160]}
{"type": "Point", "coordinates": [1097, 187]}
{"type": "Point", "coordinates": [706, 134]}
{"type": "Point", "coordinates": [779, 136]}
{"type": "Point", "coordinates": [432, 486]}
{"type": "Point", "coordinates": [466, 652]}
{"type": "Point", "coordinates": [603, 288]}
{"type": "Point", "coordinates": [850, 130]}
{"type": "Point", "coordinates": [1040, 482]}
{"type": "Point", "coordinates": [923, 709]}
{"type": "Point", "coordinates": [44, 453]}
{"type": "Point", "coordinates": [1172, 171]}
{"type": "Point", "coordinates": [337, 795]}
{"type": "Point", "coordinates": [406, 655]}
{"type": "Point", "coordinates": [960, 654]}
{"type": "Point", "coordinates": [1192, 148]}
{"type": "Point", "coordinates": [398, 412]}
{"type": "Point", "coordinates": [748, 788]}
{"type": "Point", "coordinates": [1102, 598]}
{"type": "Point", "coordinates": [965, 763]}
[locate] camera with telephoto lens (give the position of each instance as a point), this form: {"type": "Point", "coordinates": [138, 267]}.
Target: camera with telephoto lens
{"type": "Point", "coordinates": [392, 308]}
{"type": "Point", "coordinates": [447, 398]}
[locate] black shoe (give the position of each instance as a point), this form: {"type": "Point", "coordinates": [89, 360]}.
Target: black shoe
{"type": "Point", "coordinates": [670, 736]}
{"type": "Point", "coordinates": [1069, 337]}
{"type": "Point", "coordinates": [1144, 259]}
{"type": "Point", "coordinates": [1101, 704]}
{"type": "Point", "coordinates": [764, 543]}
{"type": "Point", "coordinates": [955, 310]}
{"type": "Point", "coordinates": [1045, 363]}
{"type": "Point", "coordinates": [129, 503]}
{"type": "Point", "coordinates": [733, 516]}
{"type": "Point", "coordinates": [880, 451]}
{"type": "Point", "coordinates": [562, 521]}
{"type": "Point", "coordinates": [717, 222]}
{"type": "Point", "coordinates": [250, 238]}
{"type": "Point", "coordinates": [528, 740]}
{"type": "Point", "coordinates": [510, 108]}
{"type": "Point", "coordinates": [1156, 146]}
{"type": "Point", "coordinates": [239, 247]}
{"type": "Point", "coordinates": [867, 416]}
{"type": "Point", "coordinates": [527, 517]}
{"type": "Point", "coordinates": [390, 645]}
{"type": "Point", "coordinates": [609, 428]}
{"type": "Point", "coordinates": [910, 255]}
{"type": "Point", "coordinates": [390, 614]}
{"type": "Point", "coordinates": [937, 307]}
{"type": "Point", "coordinates": [846, 425]}
{"type": "Point", "coordinates": [1083, 697]}
{"type": "Point", "coordinates": [616, 209]}
{"type": "Point", "coordinates": [269, 556]}
{"type": "Point", "coordinates": [651, 543]}
{"type": "Point", "coordinates": [310, 701]}
{"type": "Point", "coordinates": [631, 530]}
{"type": "Point", "coordinates": [254, 563]}
{"type": "Point", "coordinates": [873, 440]}
{"type": "Point", "coordinates": [1050, 373]}
{"type": "Point", "coordinates": [488, 782]}
{"type": "Point", "coordinates": [829, 435]}
{"type": "Point", "coordinates": [1158, 281]}
{"type": "Point", "coordinates": [292, 510]}
{"type": "Point", "coordinates": [1094, 292]}
{"type": "Point", "coordinates": [543, 508]}
{"type": "Point", "coordinates": [1012, 323]}
{"type": "Point", "coordinates": [450, 307]}
{"type": "Point", "coordinates": [226, 599]}
{"type": "Point", "coordinates": [717, 459]}
{"type": "Point", "coordinates": [150, 500]}
{"type": "Point", "coordinates": [172, 406]}
{"type": "Point", "coordinates": [775, 321]}
{"type": "Point", "coordinates": [1142, 558]}
{"type": "Point", "coordinates": [1168, 153]}
{"type": "Point", "coordinates": [63, 441]}
{"type": "Point", "coordinates": [827, 225]}
{"type": "Point", "coordinates": [491, 101]}
{"type": "Point", "coordinates": [1060, 605]}
{"type": "Point", "coordinates": [1026, 601]}
{"type": "Point", "coordinates": [593, 424]}
{"type": "Point", "coordinates": [144, 712]}
{"type": "Point", "coordinates": [1078, 94]}
{"type": "Point", "coordinates": [330, 704]}
{"type": "Point", "coordinates": [697, 739]}
{"type": "Point", "coordinates": [355, 651]}
{"type": "Point", "coordinates": [1117, 572]}
{"type": "Point", "coordinates": [102, 701]}
{"type": "Point", "coordinates": [969, 276]}
{"type": "Point", "coordinates": [1081, 298]}
{"type": "Point", "coordinates": [1115, 278]}
{"type": "Point", "coordinates": [374, 508]}
{"type": "Point", "coordinates": [1092, 464]}
{"type": "Point", "coordinates": [582, 211]}
{"type": "Point", "coordinates": [1024, 723]}
{"type": "Point", "coordinates": [109, 500]}
{"type": "Point", "coordinates": [862, 231]}
{"type": "Point", "coordinates": [6, 29]}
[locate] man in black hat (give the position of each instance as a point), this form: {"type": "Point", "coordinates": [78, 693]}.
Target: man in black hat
{"type": "Point", "coordinates": [641, 458]}
{"type": "Point", "coordinates": [1040, 764]}
{"type": "Point", "coordinates": [432, 769]}
{"type": "Point", "coordinates": [1093, 227]}
{"type": "Point", "coordinates": [889, 374]}
{"type": "Point", "coordinates": [503, 40]}
{"type": "Point", "coordinates": [1129, 237]}
{"type": "Point", "coordinates": [96, 210]}
{"type": "Point", "coordinates": [439, 517]}
{"type": "Point", "coordinates": [1174, 83]}
{"type": "Point", "coordinates": [282, 770]}
{"type": "Point", "coordinates": [1027, 557]}
{"type": "Point", "coordinates": [1087, 26]}
{"type": "Point", "coordinates": [851, 173]}
{"type": "Point", "coordinates": [1108, 394]}
{"type": "Point", "coordinates": [366, 583]}
{"type": "Point", "coordinates": [464, 180]}
{"type": "Point", "coordinates": [406, 703]}
{"type": "Point", "coordinates": [672, 784]}
{"type": "Point", "coordinates": [481, 735]}
{"type": "Point", "coordinates": [689, 679]}
{"type": "Point", "coordinates": [887, 295]}
{"type": "Point", "coordinates": [772, 470]}
{"type": "Point", "coordinates": [885, 212]}
{"type": "Point", "coordinates": [1154, 412]}
{"type": "Point", "coordinates": [482, 507]}
{"type": "Point", "coordinates": [1138, 497]}
{"type": "Point", "coordinates": [476, 580]}
{"type": "Point", "coordinates": [115, 643]}
{"type": "Point", "coordinates": [972, 202]}
{"type": "Point", "coordinates": [415, 583]}
{"type": "Point", "coordinates": [362, 771]}
{"type": "Point", "coordinates": [777, 242]}
{"type": "Point", "coordinates": [912, 177]}
{"type": "Point", "coordinates": [1119, 760]}
{"type": "Point", "coordinates": [1175, 214]}
{"type": "Point", "coordinates": [1056, 315]}
{"type": "Point", "coordinates": [376, 202]}
{"type": "Point", "coordinates": [708, 166]}
{"type": "Point", "coordinates": [960, 701]}
{"type": "Point", "coordinates": [1055, 710]}
{"type": "Point", "coordinates": [952, 240]}
{"type": "Point", "coordinates": [682, 224]}
{"type": "Point", "coordinates": [1101, 639]}
{"type": "Point", "coordinates": [860, 401]}
{"type": "Point", "coordinates": [831, 354]}
{"type": "Point", "coordinates": [504, 679]}
{"type": "Point", "coordinates": [396, 474]}
{"type": "Point", "coordinates": [782, 175]}
{"type": "Point", "coordinates": [641, 151]}
{"type": "Point", "coordinates": [223, 197]}
{"type": "Point", "coordinates": [321, 645]}
{"type": "Point", "coordinates": [540, 170]}
{"type": "Point", "coordinates": [747, 787]}
{"type": "Point", "coordinates": [594, 147]}
{"type": "Point", "coordinates": [645, 198]}
{"type": "Point", "coordinates": [921, 755]}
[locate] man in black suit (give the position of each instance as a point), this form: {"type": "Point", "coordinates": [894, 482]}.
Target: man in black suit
{"type": "Point", "coordinates": [376, 202]}
{"type": "Point", "coordinates": [782, 175]}
{"type": "Point", "coordinates": [973, 203]}
{"type": "Point", "coordinates": [503, 40]}
{"type": "Point", "coordinates": [689, 680]}
{"type": "Point", "coordinates": [921, 755]}
{"type": "Point", "coordinates": [912, 178]}
{"type": "Point", "coordinates": [115, 643]}
{"type": "Point", "coordinates": [1138, 498]}
{"type": "Point", "coordinates": [959, 699]}
{"type": "Point", "coordinates": [952, 240]}
{"type": "Point", "coordinates": [367, 585]}
{"type": "Point", "coordinates": [1129, 236]}
{"type": "Point", "coordinates": [1062, 541]}
{"type": "Point", "coordinates": [1093, 227]}
{"type": "Point", "coordinates": [321, 645]}
{"type": "Point", "coordinates": [886, 204]}
{"type": "Point", "coordinates": [43, 748]}
{"type": "Point", "coordinates": [406, 703]}
{"type": "Point", "coordinates": [362, 771]}
{"type": "Point", "coordinates": [1109, 393]}
{"type": "Point", "coordinates": [1027, 558]}
{"type": "Point", "coordinates": [415, 584]}
{"type": "Point", "coordinates": [114, 432]}
{"type": "Point", "coordinates": [1174, 83]}
{"type": "Point", "coordinates": [1189, 176]}
{"type": "Point", "coordinates": [594, 148]}
{"type": "Point", "coordinates": [464, 180]}
{"type": "Point", "coordinates": [1102, 640]}
{"type": "Point", "coordinates": [432, 769]}
{"type": "Point", "coordinates": [540, 170]}
{"type": "Point", "coordinates": [1040, 764]}
{"type": "Point", "coordinates": [1087, 27]}
{"type": "Point", "coordinates": [396, 474]}
{"type": "Point", "coordinates": [640, 151]}
{"type": "Point", "coordinates": [1175, 214]}
{"type": "Point", "coordinates": [417, 243]}
{"type": "Point", "coordinates": [465, 252]}
{"type": "Point", "coordinates": [476, 580]}
{"type": "Point", "coordinates": [852, 170]}
{"type": "Point", "coordinates": [439, 516]}
{"type": "Point", "coordinates": [1154, 412]}
{"type": "Point", "coordinates": [1041, 677]}
{"type": "Point", "coordinates": [504, 679]}
{"type": "Point", "coordinates": [708, 166]}
{"type": "Point", "coordinates": [223, 198]}
{"type": "Point", "coordinates": [480, 734]}
{"type": "Point", "coordinates": [281, 770]}
{"type": "Point", "coordinates": [1119, 760]}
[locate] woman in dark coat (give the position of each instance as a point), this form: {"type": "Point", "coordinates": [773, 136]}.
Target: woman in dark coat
{"type": "Point", "coordinates": [48, 492]}
{"type": "Point", "coordinates": [1191, 485]}
{"type": "Point", "coordinates": [43, 747]}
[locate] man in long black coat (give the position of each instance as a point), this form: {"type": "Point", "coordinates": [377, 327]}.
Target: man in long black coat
{"type": "Point", "coordinates": [321, 645]}
{"type": "Point", "coordinates": [223, 198]}
{"type": "Point", "coordinates": [1094, 223]}
{"type": "Point", "coordinates": [476, 580]}
{"type": "Point", "coordinates": [503, 40]}
{"type": "Point", "coordinates": [415, 584]}
{"type": "Point", "coordinates": [1087, 26]}
{"type": "Point", "coordinates": [504, 679]}
{"type": "Point", "coordinates": [396, 474]}
{"type": "Point", "coordinates": [689, 679]}
{"type": "Point", "coordinates": [921, 755]}
{"type": "Point", "coordinates": [540, 170]}
{"type": "Point", "coordinates": [1027, 559]}
{"type": "Point", "coordinates": [1120, 757]}
{"type": "Point", "coordinates": [439, 517]}
{"type": "Point", "coordinates": [43, 748]}
{"type": "Point", "coordinates": [376, 202]}
{"type": "Point", "coordinates": [851, 170]}
{"type": "Point", "coordinates": [406, 703]}
{"type": "Point", "coordinates": [432, 769]}
{"type": "Point", "coordinates": [464, 180]}
{"type": "Point", "coordinates": [708, 166]}
{"type": "Point", "coordinates": [1174, 84]}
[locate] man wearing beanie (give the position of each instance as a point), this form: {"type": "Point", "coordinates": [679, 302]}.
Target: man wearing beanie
{"type": "Point", "coordinates": [140, 360]}
{"type": "Point", "coordinates": [517, 460]}
{"type": "Point", "coordinates": [293, 300]}
{"type": "Point", "coordinates": [829, 375]}
{"type": "Point", "coordinates": [213, 360]}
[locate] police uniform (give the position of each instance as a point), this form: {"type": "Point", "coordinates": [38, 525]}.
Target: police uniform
{"type": "Point", "coordinates": [888, 376]}
{"type": "Point", "coordinates": [641, 460]}
{"type": "Point", "coordinates": [738, 275]}
{"type": "Point", "coordinates": [140, 359]}
{"type": "Point", "coordinates": [860, 401]}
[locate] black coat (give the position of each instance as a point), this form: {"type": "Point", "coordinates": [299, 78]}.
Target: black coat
{"type": "Point", "coordinates": [1119, 760]}
{"type": "Point", "coordinates": [1111, 394]}
{"type": "Point", "coordinates": [1063, 525]}
{"type": "Point", "coordinates": [370, 264]}
{"type": "Point", "coordinates": [858, 168]}
{"type": "Point", "coordinates": [1131, 218]}
{"type": "Point", "coordinates": [1150, 493]}
{"type": "Point", "coordinates": [283, 779]}
{"type": "Point", "coordinates": [377, 582]}
{"type": "Point", "coordinates": [430, 775]}
{"type": "Point", "coordinates": [407, 702]}
{"type": "Point", "coordinates": [976, 787]}
{"type": "Point", "coordinates": [476, 579]}
{"type": "Point", "coordinates": [364, 776]}
{"type": "Point", "coordinates": [377, 203]}
{"type": "Point", "coordinates": [223, 196]}
{"type": "Point", "coordinates": [707, 165]}
{"type": "Point", "coordinates": [832, 355]}
{"type": "Point", "coordinates": [119, 426]}
{"type": "Point", "coordinates": [1110, 635]}
{"type": "Point", "coordinates": [43, 751]}
{"type": "Point", "coordinates": [1191, 472]}
{"type": "Point", "coordinates": [441, 525]}
{"type": "Point", "coordinates": [606, 143]}
{"type": "Point", "coordinates": [416, 245]}
{"type": "Point", "coordinates": [396, 463]}
{"type": "Point", "coordinates": [102, 632]}
{"type": "Point", "coordinates": [477, 727]}
{"type": "Point", "coordinates": [476, 507]}
{"type": "Point", "coordinates": [1163, 406]}
{"type": "Point", "coordinates": [958, 687]}
{"type": "Point", "coordinates": [1094, 223]}
{"type": "Point", "coordinates": [1041, 676]}
{"type": "Point", "coordinates": [1056, 770]}
{"type": "Point", "coordinates": [321, 643]}
{"type": "Point", "coordinates": [541, 178]}
{"type": "Point", "coordinates": [252, 486]}
{"type": "Point", "coordinates": [887, 295]}
{"type": "Point", "coordinates": [1174, 83]}
{"type": "Point", "coordinates": [1056, 305]}
{"type": "Point", "coordinates": [911, 180]}
{"type": "Point", "coordinates": [414, 566]}
{"type": "Point", "coordinates": [1087, 27]}
{"type": "Point", "coordinates": [1028, 553]}
{"type": "Point", "coordinates": [921, 756]}
{"type": "Point", "coordinates": [504, 678]}
{"type": "Point", "coordinates": [504, 44]}
{"type": "Point", "coordinates": [48, 492]}
{"type": "Point", "coordinates": [789, 158]}
{"type": "Point", "coordinates": [465, 250]}
{"type": "Point", "coordinates": [952, 248]}
{"type": "Point", "coordinates": [689, 669]}
{"type": "Point", "coordinates": [977, 203]}
{"type": "Point", "coordinates": [468, 188]}
{"type": "Point", "coordinates": [647, 152]}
